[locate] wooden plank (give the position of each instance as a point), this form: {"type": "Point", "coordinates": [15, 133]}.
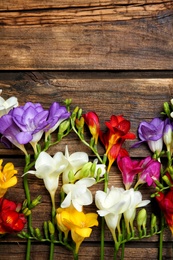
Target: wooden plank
{"type": "Point", "coordinates": [131, 36]}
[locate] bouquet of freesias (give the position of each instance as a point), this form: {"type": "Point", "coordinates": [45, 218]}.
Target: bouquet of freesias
{"type": "Point", "coordinates": [117, 207]}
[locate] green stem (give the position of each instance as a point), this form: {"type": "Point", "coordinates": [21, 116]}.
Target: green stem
{"type": "Point", "coordinates": [29, 221]}
{"type": "Point", "coordinates": [75, 256]}
{"type": "Point", "coordinates": [161, 238]}
{"type": "Point", "coordinates": [52, 245]}
{"type": "Point", "coordinates": [102, 239]}
{"type": "Point", "coordinates": [122, 251]}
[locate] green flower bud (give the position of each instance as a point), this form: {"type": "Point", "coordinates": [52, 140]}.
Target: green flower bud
{"type": "Point", "coordinates": [79, 114]}
{"type": "Point", "coordinates": [35, 202]}
{"type": "Point", "coordinates": [71, 176]}
{"type": "Point", "coordinates": [153, 223]}
{"type": "Point", "coordinates": [26, 212]}
{"type": "Point", "coordinates": [38, 233]}
{"type": "Point", "coordinates": [51, 227]}
{"type": "Point", "coordinates": [142, 219]}
{"type": "Point", "coordinates": [45, 228]}
{"type": "Point", "coordinates": [25, 204]}
{"type": "Point", "coordinates": [166, 108]}
{"type": "Point", "coordinates": [63, 127]}
{"type": "Point", "coordinates": [167, 180]}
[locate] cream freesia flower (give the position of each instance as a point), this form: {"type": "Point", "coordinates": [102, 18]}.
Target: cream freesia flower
{"type": "Point", "coordinates": [7, 105]}
{"type": "Point", "coordinates": [136, 201]}
{"type": "Point", "coordinates": [49, 169]}
{"type": "Point", "coordinates": [77, 194]}
{"type": "Point", "coordinates": [75, 162]}
{"type": "Point", "coordinates": [111, 205]}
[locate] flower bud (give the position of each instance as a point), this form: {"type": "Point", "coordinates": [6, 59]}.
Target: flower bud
{"type": "Point", "coordinates": [45, 227]}
{"type": "Point", "coordinates": [153, 223]}
{"type": "Point", "coordinates": [167, 180]}
{"type": "Point", "coordinates": [51, 227]}
{"type": "Point", "coordinates": [166, 108]}
{"type": "Point", "coordinates": [35, 202]}
{"type": "Point", "coordinates": [38, 233]}
{"type": "Point", "coordinates": [142, 219]}
{"type": "Point", "coordinates": [26, 212]}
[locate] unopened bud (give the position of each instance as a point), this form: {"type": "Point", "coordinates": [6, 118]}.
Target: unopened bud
{"type": "Point", "coordinates": [51, 228]}
{"type": "Point", "coordinates": [38, 233]}
{"type": "Point", "coordinates": [35, 202]}
{"type": "Point", "coordinates": [167, 180]}
{"type": "Point", "coordinates": [26, 212]}
{"type": "Point", "coordinates": [45, 227]}
{"type": "Point", "coordinates": [142, 219]}
{"type": "Point", "coordinates": [166, 108]}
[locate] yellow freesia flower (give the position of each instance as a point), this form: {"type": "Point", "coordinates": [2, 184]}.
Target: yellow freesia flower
{"type": "Point", "coordinates": [78, 222]}
{"type": "Point", "coordinates": [7, 178]}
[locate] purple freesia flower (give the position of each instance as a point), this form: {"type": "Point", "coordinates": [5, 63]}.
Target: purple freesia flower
{"type": "Point", "coordinates": [31, 119]}
{"type": "Point", "coordinates": [129, 169]}
{"type": "Point", "coordinates": [10, 132]}
{"type": "Point", "coordinates": [151, 133]}
{"type": "Point", "coordinates": [56, 115]}
{"type": "Point", "coordinates": [150, 171]}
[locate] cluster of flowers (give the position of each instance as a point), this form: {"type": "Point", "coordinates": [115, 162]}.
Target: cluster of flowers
{"type": "Point", "coordinates": [23, 125]}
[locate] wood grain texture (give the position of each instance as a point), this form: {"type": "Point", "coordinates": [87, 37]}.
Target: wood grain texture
{"type": "Point", "coordinates": [85, 35]}
{"type": "Point", "coordinates": [138, 96]}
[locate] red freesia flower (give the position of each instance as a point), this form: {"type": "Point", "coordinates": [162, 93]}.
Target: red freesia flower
{"type": "Point", "coordinates": [117, 133]}
{"type": "Point", "coordinates": [10, 219]}
{"type": "Point", "coordinates": [165, 201]}
{"type": "Point", "coordinates": [92, 121]}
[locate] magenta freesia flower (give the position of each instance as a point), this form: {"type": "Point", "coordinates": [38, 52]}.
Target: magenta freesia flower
{"type": "Point", "coordinates": [150, 173]}
{"type": "Point", "coordinates": [151, 133]}
{"type": "Point", "coordinates": [129, 169]}
{"type": "Point", "coordinates": [56, 115]}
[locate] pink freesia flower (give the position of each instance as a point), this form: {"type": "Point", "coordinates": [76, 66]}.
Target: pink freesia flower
{"type": "Point", "coordinates": [150, 172]}
{"type": "Point", "coordinates": [129, 169]}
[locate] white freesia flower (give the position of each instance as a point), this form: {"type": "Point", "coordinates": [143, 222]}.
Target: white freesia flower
{"type": "Point", "coordinates": [135, 202]}
{"type": "Point", "coordinates": [7, 105]}
{"type": "Point", "coordinates": [49, 169]}
{"type": "Point", "coordinates": [77, 194]}
{"type": "Point", "coordinates": [75, 162]}
{"type": "Point", "coordinates": [111, 205]}
{"type": "Point", "coordinates": [101, 167]}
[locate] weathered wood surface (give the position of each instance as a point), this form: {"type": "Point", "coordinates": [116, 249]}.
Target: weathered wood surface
{"type": "Point", "coordinates": [56, 35]}
{"type": "Point", "coordinates": [137, 96]}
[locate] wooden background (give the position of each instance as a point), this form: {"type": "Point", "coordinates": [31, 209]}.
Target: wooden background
{"type": "Point", "coordinates": [113, 57]}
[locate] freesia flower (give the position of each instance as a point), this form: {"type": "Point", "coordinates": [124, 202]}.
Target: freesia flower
{"type": "Point", "coordinates": [168, 135]}
{"type": "Point", "coordinates": [150, 171]}
{"type": "Point", "coordinates": [165, 201]}
{"type": "Point", "coordinates": [31, 119]}
{"type": "Point", "coordinates": [7, 105]}
{"type": "Point", "coordinates": [10, 133]}
{"type": "Point", "coordinates": [117, 133]}
{"type": "Point", "coordinates": [57, 114]}
{"type": "Point", "coordinates": [129, 169]}
{"type": "Point", "coordinates": [10, 218]}
{"type": "Point", "coordinates": [78, 223]}
{"type": "Point", "coordinates": [7, 178]}
{"type": "Point", "coordinates": [92, 121]}
{"type": "Point", "coordinates": [152, 133]}
{"type": "Point", "coordinates": [111, 205]}
{"type": "Point", "coordinates": [136, 201]}
{"type": "Point", "coordinates": [49, 169]}
{"type": "Point", "coordinates": [77, 194]}
{"type": "Point", "coordinates": [75, 162]}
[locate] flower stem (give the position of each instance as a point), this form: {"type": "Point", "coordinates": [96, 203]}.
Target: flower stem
{"type": "Point", "coordinates": [27, 194]}
{"type": "Point", "coordinates": [161, 238]}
